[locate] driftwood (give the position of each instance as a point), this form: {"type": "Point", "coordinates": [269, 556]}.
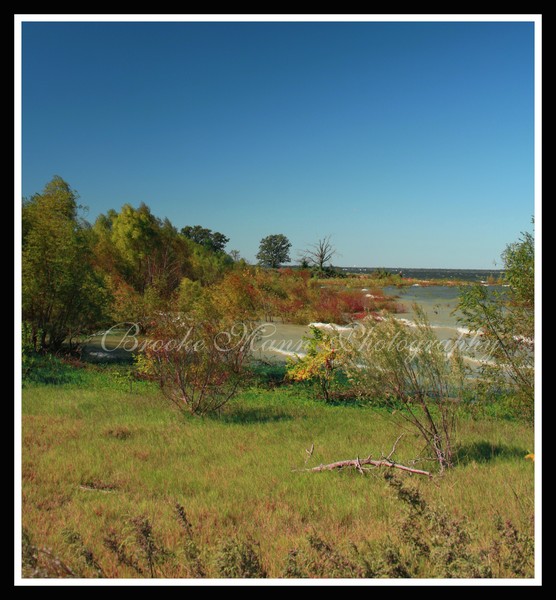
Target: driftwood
{"type": "Point", "coordinates": [359, 464]}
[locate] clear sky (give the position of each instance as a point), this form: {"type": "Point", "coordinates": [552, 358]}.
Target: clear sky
{"type": "Point", "coordinates": [412, 144]}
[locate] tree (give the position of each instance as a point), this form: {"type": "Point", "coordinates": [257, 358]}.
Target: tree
{"type": "Point", "coordinates": [274, 250]}
{"type": "Point", "coordinates": [320, 253]}
{"type": "Point", "coordinates": [505, 321]}
{"type": "Point", "coordinates": [144, 259]}
{"type": "Point", "coordinates": [63, 295]}
{"type": "Point", "coordinates": [211, 240]}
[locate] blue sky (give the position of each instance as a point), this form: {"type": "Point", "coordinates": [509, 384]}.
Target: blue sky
{"type": "Point", "coordinates": [410, 143]}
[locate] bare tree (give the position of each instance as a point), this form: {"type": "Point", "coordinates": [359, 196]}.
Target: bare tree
{"type": "Point", "coordinates": [320, 253]}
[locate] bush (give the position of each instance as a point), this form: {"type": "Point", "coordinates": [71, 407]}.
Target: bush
{"type": "Point", "coordinates": [198, 363]}
{"type": "Point", "coordinates": [319, 365]}
{"type": "Point", "coordinates": [407, 369]}
{"type": "Point", "coordinates": [505, 323]}
{"type": "Point", "coordinates": [237, 558]}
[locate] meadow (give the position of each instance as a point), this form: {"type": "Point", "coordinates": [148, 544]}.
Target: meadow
{"type": "Point", "coordinates": [105, 461]}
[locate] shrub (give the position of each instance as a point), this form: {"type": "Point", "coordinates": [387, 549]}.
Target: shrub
{"type": "Point", "coordinates": [407, 369]}
{"type": "Point", "coordinates": [237, 558]}
{"type": "Point", "coordinates": [319, 365]}
{"type": "Point", "coordinates": [198, 363]}
{"type": "Point", "coordinates": [505, 321]}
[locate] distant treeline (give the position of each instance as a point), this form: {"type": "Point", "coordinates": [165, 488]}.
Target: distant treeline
{"type": "Point", "coordinates": [456, 274]}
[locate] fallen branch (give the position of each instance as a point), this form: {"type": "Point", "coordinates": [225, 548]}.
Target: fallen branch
{"type": "Point", "coordinates": [359, 462]}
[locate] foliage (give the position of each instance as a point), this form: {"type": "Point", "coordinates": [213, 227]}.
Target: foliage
{"type": "Point", "coordinates": [145, 554]}
{"type": "Point", "coordinates": [84, 555]}
{"type": "Point", "coordinates": [408, 369]}
{"type": "Point", "coordinates": [237, 558]}
{"type": "Point", "coordinates": [41, 562]}
{"type": "Point", "coordinates": [144, 259]}
{"type": "Point", "coordinates": [505, 323]}
{"type": "Point", "coordinates": [328, 272]}
{"type": "Point", "coordinates": [213, 241]}
{"type": "Point", "coordinates": [198, 358]}
{"type": "Point", "coordinates": [319, 364]}
{"type": "Point", "coordinates": [274, 250]}
{"type": "Point", "coordinates": [148, 263]}
{"type": "Point", "coordinates": [424, 542]}
{"type": "Point", "coordinates": [189, 293]}
{"type": "Point", "coordinates": [293, 296]}
{"type": "Point", "coordinates": [208, 267]}
{"type": "Point", "coordinates": [63, 296]}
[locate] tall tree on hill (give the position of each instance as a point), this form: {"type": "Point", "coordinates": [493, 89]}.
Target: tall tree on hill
{"type": "Point", "coordinates": [211, 240]}
{"type": "Point", "coordinates": [62, 294]}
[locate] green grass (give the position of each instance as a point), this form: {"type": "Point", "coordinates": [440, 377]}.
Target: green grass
{"type": "Point", "coordinates": [96, 455]}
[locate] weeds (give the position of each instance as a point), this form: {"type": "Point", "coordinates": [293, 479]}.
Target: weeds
{"type": "Point", "coordinates": [424, 541]}
{"type": "Point", "coordinates": [82, 553]}
{"type": "Point", "coordinates": [192, 554]}
{"type": "Point", "coordinates": [37, 562]}
{"type": "Point", "coordinates": [116, 545]}
{"type": "Point", "coordinates": [239, 559]}
{"type": "Point", "coordinates": [146, 553]}
{"type": "Point", "coordinates": [512, 551]}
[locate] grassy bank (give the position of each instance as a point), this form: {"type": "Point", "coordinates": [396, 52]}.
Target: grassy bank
{"type": "Point", "coordinates": [370, 281]}
{"type": "Point", "coordinates": [97, 455]}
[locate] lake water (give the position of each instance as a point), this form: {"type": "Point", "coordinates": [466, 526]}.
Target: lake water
{"type": "Point", "coordinates": [438, 302]}
{"type": "Point", "coordinates": [279, 341]}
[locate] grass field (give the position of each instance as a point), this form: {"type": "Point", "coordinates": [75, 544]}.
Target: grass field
{"type": "Point", "coordinates": [97, 455]}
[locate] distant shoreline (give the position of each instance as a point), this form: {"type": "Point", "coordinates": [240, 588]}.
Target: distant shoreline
{"type": "Point", "coordinates": [422, 274]}
{"type": "Point", "coordinates": [400, 276]}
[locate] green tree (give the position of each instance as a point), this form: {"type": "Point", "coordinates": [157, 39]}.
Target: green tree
{"type": "Point", "coordinates": [505, 321]}
{"type": "Point", "coordinates": [62, 294]}
{"type": "Point", "coordinates": [274, 250]}
{"type": "Point", "coordinates": [145, 259]}
{"type": "Point", "coordinates": [211, 240]}
{"type": "Point", "coordinates": [134, 237]}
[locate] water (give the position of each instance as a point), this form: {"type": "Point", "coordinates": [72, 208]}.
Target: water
{"type": "Point", "coordinates": [477, 275]}
{"type": "Point", "coordinates": [439, 303]}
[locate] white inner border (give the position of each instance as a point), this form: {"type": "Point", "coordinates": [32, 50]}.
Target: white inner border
{"type": "Point", "coordinates": [22, 18]}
